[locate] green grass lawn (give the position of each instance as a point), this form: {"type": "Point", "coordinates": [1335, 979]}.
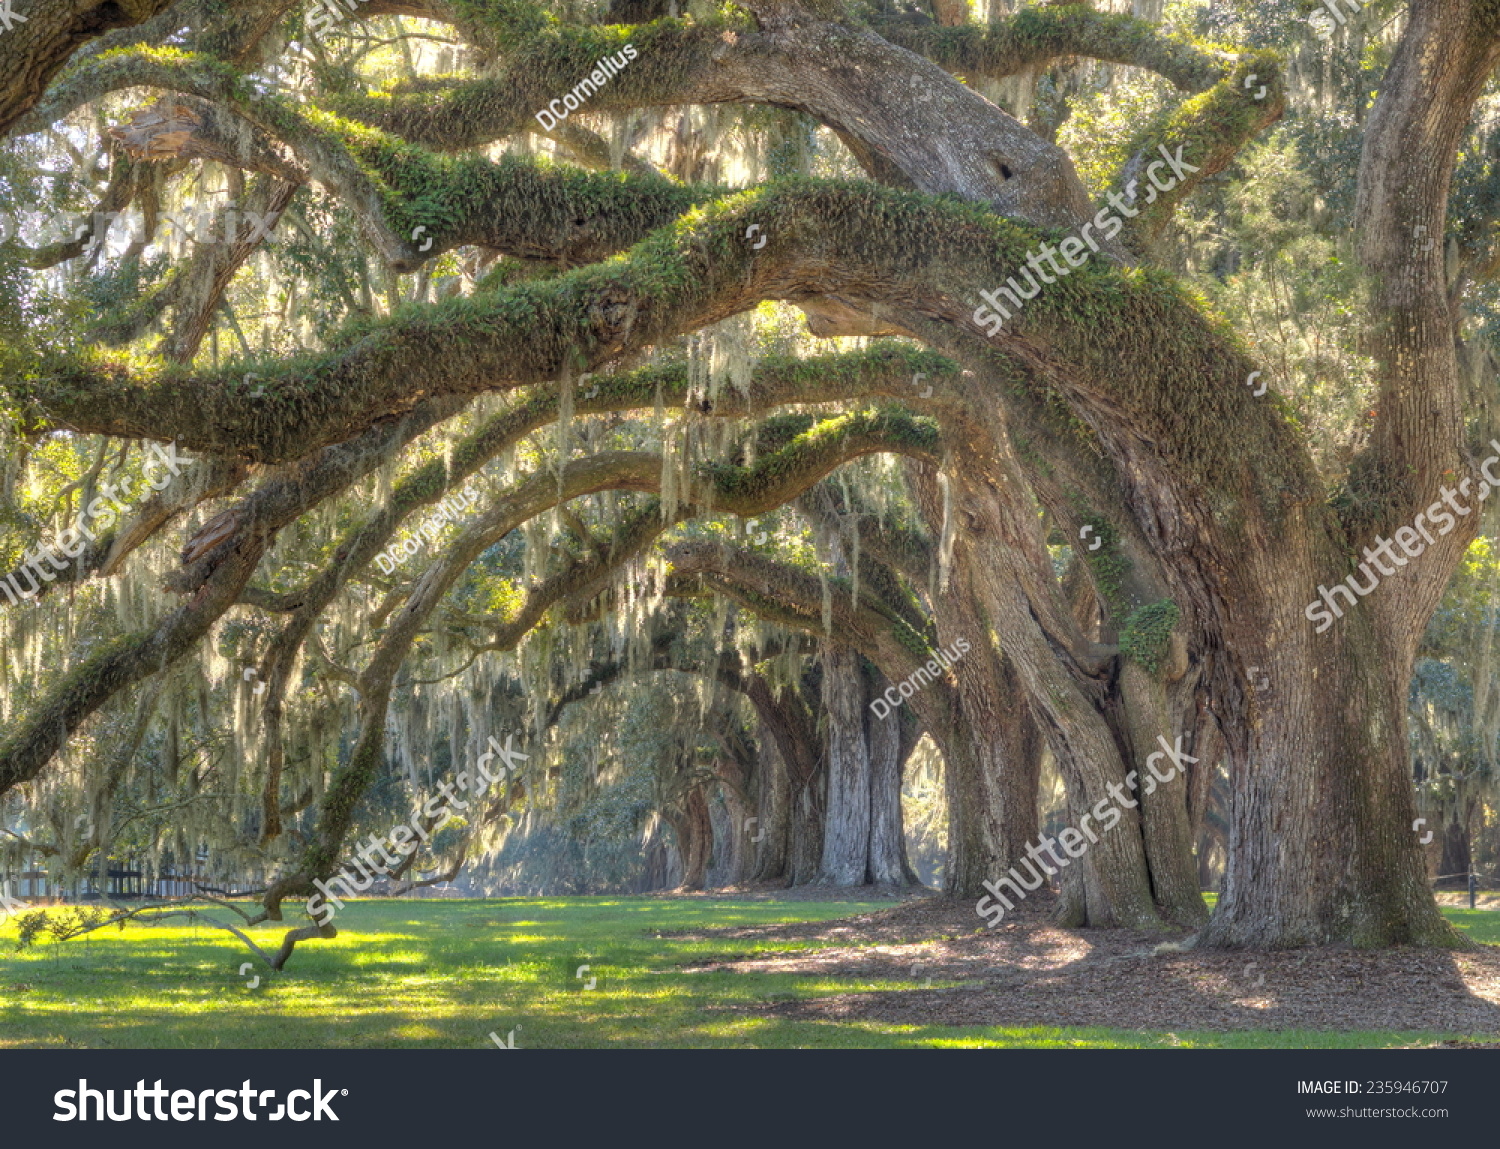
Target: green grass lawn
{"type": "Point", "coordinates": [445, 974]}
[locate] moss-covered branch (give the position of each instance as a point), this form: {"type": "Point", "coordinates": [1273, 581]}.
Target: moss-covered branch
{"type": "Point", "coordinates": [877, 372]}
{"type": "Point", "coordinates": [36, 48]}
{"type": "Point", "coordinates": [906, 120]}
{"type": "Point", "coordinates": [854, 241]}
{"type": "Point", "coordinates": [781, 593]}
{"type": "Point", "coordinates": [776, 478]}
{"type": "Point", "coordinates": [239, 32]}
{"type": "Point", "coordinates": [221, 577]}
{"type": "Point", "coordinates": [1130, 352]}
{"type": "Point", "coordinates": [1034, 37]}
{"type": "Point", "coordinates": [1207, 131]}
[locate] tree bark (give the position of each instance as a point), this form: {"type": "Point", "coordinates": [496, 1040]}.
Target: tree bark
{"type": "Point", "coordinates": [735, 786]}
{"type": "Point", "coordinates": [695, 839]}
{"type": "Point", "coordinates": [807, 833]}
{"type": "Point", "coordinates": [846, 822]}
{"type": "Point", "coordinates": [1164, 805]}
{"type": "Point", "coordinates": [49, 32]}
{"type": "Point", "coordinates": [773, 830]}
{"type": "Point", "coordinates": [1321, 847]}
{"type": "Point", "coordinates": [886, 865]}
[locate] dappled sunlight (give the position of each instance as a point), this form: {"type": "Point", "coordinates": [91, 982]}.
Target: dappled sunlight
{"type": "Point", "coordinates": [460, 970]}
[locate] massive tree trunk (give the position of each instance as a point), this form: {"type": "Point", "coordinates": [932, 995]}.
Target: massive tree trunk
{"type": "Point", "coordinates": [863, 839]}
{"type": "Point", "coordinates": [807, 833]}
{"type": "Point", "coordinates": [886, 865]}
{"type": "Point", "coordinates": [846, 822]}
{"type": "Point", "coordinates": [738, 832]}
{"type": "Point", "coordinates": [992, 789]}
{"type": "Point", "coordinates": [992, 749]}
{"type": "Point", "coordinates": [656, 872]}
{"type": "Point", "coordinates": [1321, 847]}
{"type": "Point", "coordinates": [771, 835]}
{"type": "Point", "coordinates": [998, 541]}
{"type": "Point", "coordinates": [1321, 842]}
{"type": "Point", "coordinates": [1165, 823]}
{"type": "Point", "coordinates": [1146, 691]}
{"type": "Point", "coordinates": [695, 838]}
{"type": "Point", "coordinates": [787, 737]}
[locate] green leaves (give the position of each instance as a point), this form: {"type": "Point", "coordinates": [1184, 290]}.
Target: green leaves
{"type": "Point", "coordinates": [1146, 632]}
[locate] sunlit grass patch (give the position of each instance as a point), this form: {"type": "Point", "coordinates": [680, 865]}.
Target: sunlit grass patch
{"type": "Point", "coordinates": [446, 974]}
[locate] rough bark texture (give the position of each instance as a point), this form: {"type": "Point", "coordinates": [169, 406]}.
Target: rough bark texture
{"type": "Point", "coordinates": [695, 839]}
{"type": "Point", "coordinates": [38, 46]}
{"type": "Point", "coordinates": [1321, 847]}
{"type": "Point", "coordinates": [1164, 804]}
{"type": "Point", "coordinates": [886, 864]}
{"type": "Point", "coordinates": [846, 822]}
{"type": "Point", "coordinates": [772, 834]}
{"type": "Point", "coordinates": [738, 854]}
{"type": "Point", "coordinates": [807, 834]}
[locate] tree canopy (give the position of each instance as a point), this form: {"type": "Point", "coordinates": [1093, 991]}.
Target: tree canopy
{"type": "Point", "coordinates": [659, 386]}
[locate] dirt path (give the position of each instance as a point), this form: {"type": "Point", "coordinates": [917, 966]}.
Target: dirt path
{"type": "Point", "coordinates": [1029, 972]}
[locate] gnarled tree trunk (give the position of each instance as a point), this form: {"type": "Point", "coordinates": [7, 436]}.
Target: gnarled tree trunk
{"type": "Point", "coordinates": [695, 838]}
{"type": "Point", "coordinates": [846, 823]}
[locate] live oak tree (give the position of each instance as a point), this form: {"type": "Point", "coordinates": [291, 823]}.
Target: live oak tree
{"type": "Point", "coordinates": [436, 312]}
{"type": "Point", "coordinates": [1455, 723]}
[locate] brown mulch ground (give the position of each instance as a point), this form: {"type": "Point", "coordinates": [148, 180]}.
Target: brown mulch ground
{"type": "Point", "coordinates": [1029, 972]}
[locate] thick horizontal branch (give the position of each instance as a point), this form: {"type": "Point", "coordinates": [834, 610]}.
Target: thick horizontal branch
{"type": "Point", "coordinates": [1034, 37]}
{"type": "Point", "coordinates": [1208, 131]}
{"type": "Point", "coordinates": [778, 592]}
{"type": "Point", "coordinates": [239, 33]}
{"type": "Point", "coordinates": [413, 204]}
{"type": "Point", "coordinates": [776, 478]}
{"type": "Point", "coordinates": [1130, 351]}
{"type": "Point", "coordinates": [37, 46]}
{"type": "Point", "coordinates": [950, 141]}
